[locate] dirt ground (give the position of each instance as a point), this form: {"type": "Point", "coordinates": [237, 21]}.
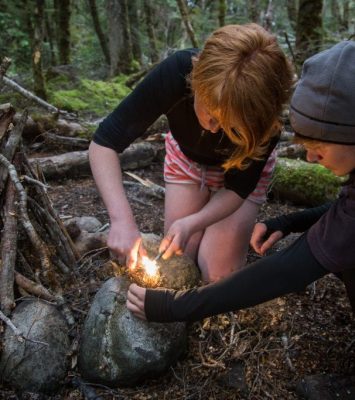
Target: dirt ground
{"type": "Point", "coordinates": [259, 353]}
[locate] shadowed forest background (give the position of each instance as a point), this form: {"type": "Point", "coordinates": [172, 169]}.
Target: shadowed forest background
{"type": "Point", "coordinates": [68, 63]}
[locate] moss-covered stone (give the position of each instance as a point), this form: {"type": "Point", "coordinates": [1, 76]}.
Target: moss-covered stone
{"type": "Point", "coordinates": [303, 183]}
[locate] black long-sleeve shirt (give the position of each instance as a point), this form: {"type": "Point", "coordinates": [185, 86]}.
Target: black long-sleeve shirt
{"type": "Point", "coordinates": [166, 91]}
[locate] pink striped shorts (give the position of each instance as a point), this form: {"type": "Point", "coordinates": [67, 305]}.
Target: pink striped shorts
{"type": "Point", "coordinates": [180, 169]}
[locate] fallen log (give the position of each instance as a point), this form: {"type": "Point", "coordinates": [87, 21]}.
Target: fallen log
{"type": "Point", "coordinates": [303, 183]}
{"type": "Point", "coordinates": [76, 163]}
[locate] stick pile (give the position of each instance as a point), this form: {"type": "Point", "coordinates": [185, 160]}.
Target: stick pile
{"type": "Point", "coordinates": [36, 252]}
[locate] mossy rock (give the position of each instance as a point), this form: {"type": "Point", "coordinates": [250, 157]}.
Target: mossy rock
{"type": "Point", "coordinates": [303, 183]}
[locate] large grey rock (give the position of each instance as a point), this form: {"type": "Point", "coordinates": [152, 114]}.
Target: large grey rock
{"type": "Point", "coordinates": [120, 349]}
{"type": "Point", "coordinates": [30, 366]}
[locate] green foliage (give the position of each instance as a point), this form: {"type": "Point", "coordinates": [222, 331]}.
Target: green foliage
{"type": "Point", "coordinates": [14, 40]}
{"type": "Point", "coordinates": [88, 96]}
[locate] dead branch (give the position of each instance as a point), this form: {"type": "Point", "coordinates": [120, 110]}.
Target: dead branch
{"type": "Point", "coordinates": [76, 163]}
{"type": "Point", "coordinates": [5, 63]}
{"type": "Point", "coordinates": [156, 190]}
{"type": "Point", "coordinates": [65, 141]}
{"type": "Point", "coordinates": [24, 92]}
{"type": "Point", "coordinates": [7, 113]}
{"type": "Point", "coordinates": [16, 331]}
{"type": "Point", "coordinates": [33, 288]}
{"type": "Point", "coordinates": [11, 147]}
{"type": "Point", "coordinates": [55, 234]}
{"type": "Point", "coordinates": [8, 251]}
{"type": "Point", "coordinates": [27, 224]}
{"type": "Point", "coordinates": [71, 252]}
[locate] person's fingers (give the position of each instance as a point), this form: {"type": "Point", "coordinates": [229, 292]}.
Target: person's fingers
{"type": "Point", "coordinates": [257, 237]}
{"type": "Point", "coordinates": [132, 258]}
{"type": "Point", "coordinates": [164, 246]}
{"type": "Point", "coordinates": [135, 298]}
{"type": "Point", "coordinates": [272, 239]}
{"type": "Point", "coordinates": [135, 310]}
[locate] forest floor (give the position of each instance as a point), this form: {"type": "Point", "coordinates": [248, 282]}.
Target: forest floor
{"type": "Point", "coordinates": [259, 353]}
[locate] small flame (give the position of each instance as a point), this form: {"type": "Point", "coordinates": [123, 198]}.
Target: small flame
{"type": "Point", "coordinates": [150, 266]}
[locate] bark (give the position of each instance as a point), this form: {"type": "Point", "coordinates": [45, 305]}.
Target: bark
{"type": "Point", "coordinates": [5, 63]}
{"type": "Point", "coordinates": [65, 142]}
{"type": "Point", "coordinates": [49, 36]}
{"type": "Point", "coordinates": [346, 15]}
{"type": "Point", "coordinates": [76, 163]}
{"type": "Point", "coordinates": [101, 36]}
{"type": "Point", "coordinates": [334, 5]}
{"type": "Point", "coordinates": [253, 7]}
{"type": "Point", "coordinates": [184, 11]}
{"type": "Point", "coordinates": [10, 148]}
{"type": "Point", "coordinates": [120, 44]}
{"type": "Point", "coordinates": [148, 12]}
{"type": "Point", "coordinates": [36, 35]}
{"type": "Point", "coordinates": [135, 31]}
{"type": "Point", "coordinates": [8, 251]}
{"type": "Point", "coordinates": [7, 113]}
{"type": "Point", "coordinates": [63, 13]}
{"type": "Point", "coordinates": [269, 16]}
{"type": "Point", "coordinates": [222, 6]}
{"type": "Point", "coordinates": [292, 13]}
{"type": "Point", "coordinates": [309, 29]}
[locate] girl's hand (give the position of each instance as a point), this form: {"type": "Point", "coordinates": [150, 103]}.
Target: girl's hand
{"type": "Point", "coordinates": [176, 238]}
{"type": "Point", "coordinates": [125, 243]}
{"type": "Point", "coordinates": [135, 300]}
{"type": "Point", "coordinates": [258, 240]}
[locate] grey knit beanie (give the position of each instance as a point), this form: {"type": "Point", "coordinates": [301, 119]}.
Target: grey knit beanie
{"type": "Point", "coordinates": [323, 104]}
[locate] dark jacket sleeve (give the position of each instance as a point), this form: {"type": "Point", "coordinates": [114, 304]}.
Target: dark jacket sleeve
{"type": "Point", "coordinates": [286, 271]}
{"type": "Point", "coordinates": [298, 221]}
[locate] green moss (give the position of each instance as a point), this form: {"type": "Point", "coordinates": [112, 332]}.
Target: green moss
{"type": "Point", "coordinates": [94, 97]}
{"type": "Point", "coordinates": [305, 183]}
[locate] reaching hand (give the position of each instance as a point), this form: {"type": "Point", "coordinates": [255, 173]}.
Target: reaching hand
{"type": "Point", "coordinates": [125, 244]}
{"type": "Point", "coordinates": [135, 300]}
{"type": "Point", "coordinates": [176, 238]}
{"type": "Point", "coordinates": [258, 240]}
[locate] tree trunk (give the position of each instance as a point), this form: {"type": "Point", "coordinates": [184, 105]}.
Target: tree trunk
{"type": "Point", "coordinates": [253, 6]}
{"type": "Point", "coordinates": [269, 16]}
{"type": "Point", "coordinates": [334, 5]}
{"type": "Point", "coordinates": [309, 29]}
{"type": "Point", "coordinates": [222, 12]}
{"type": "Point", "coordinates": [36, 35]}
{"type": "Point", "coordinates": [63, 11]}
{"type": "Point", "coordinates": [292, 13]}
{"type": "Point", "coordinates": [120, 44]}
{"type": "Point", "coordinates": [184, 11]}
{"type": "Point", "coordinates": [135, 31]}
{"type": "Point", "coordinates": [98, 30]}
{"type": "Point", "coordinates": [49, 36]}
{"type": "Point", "coordinates": [154, 55]}
{"type": "Point", "coordinates": [346, 14]}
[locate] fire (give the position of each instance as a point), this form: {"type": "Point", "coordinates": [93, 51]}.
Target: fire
{"type": "Point", "coordinates": [146, 273]}
{"type": "Point", "coordinates": [150, 266]}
